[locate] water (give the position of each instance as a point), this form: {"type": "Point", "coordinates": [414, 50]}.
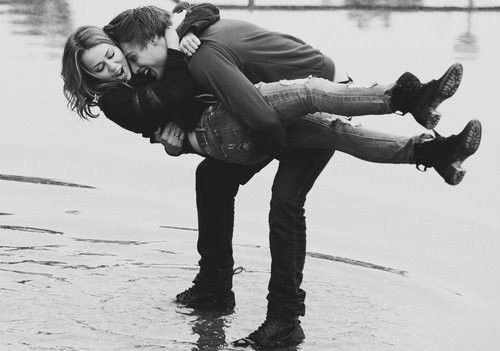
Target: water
{"type": "Point", "coordinates": [97, 267]}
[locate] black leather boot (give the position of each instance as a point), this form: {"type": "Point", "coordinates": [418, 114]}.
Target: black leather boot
{"type": "Point", "coordinates": [210, 293]}
{"type": "Point", "coordinates": [446, 155]}
{"type": "Point", "coordinates": [421, 100]}
{"type": "Point", "coordinates": [274, 333]}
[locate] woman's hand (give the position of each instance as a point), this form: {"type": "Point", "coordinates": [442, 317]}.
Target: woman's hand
{"type": "Point", "coordinates": [189, 44]}
{"type": "Point", "coordinates": [172, 139]}
{"type": "Point", "coordinates": [172, 38]}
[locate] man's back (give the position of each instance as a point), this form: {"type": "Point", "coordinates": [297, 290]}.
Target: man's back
{"type": "Point", "coordinates": [235, 54]}
{"type": "Point", "coordinates": [264, 55]}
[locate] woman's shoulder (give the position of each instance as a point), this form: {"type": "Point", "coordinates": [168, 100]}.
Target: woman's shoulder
{"type": "Point", "coordinates": [114, 97]}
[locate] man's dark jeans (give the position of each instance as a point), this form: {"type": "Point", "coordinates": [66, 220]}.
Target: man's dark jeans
{"type": "Point", "coordinates": [216, 186]}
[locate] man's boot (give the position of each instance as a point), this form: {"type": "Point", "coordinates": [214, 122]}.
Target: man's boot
{"type": "Point", "coordinates": [274, 333]}
{"type": "Point", "coordinates": [446, 155]}
{"type": "Point", "coordinates": [208, 294]}
{"type": "Point", "coordinates": [421, 100]}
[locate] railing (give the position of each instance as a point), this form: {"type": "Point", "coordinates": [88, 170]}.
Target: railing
{"type": "Point", "coordinates": [389, 5]}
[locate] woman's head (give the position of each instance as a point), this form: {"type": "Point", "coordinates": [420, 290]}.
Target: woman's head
{"type": "Point", "coordinates": [91, 65]}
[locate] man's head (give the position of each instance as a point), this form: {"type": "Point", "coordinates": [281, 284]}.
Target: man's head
{"type": "Point", "coordinates": [141, 35]}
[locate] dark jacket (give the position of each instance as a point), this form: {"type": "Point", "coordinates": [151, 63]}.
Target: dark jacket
{"type": "Point", "coordinates": [236, 54]}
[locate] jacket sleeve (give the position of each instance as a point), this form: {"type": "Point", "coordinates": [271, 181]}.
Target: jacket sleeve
{"type": "Point", "coordinates": [198, 17]}
{"type": "Point", "coordinates": [216, 72]}
{"type": "Point", "coordinates": [122, 105]}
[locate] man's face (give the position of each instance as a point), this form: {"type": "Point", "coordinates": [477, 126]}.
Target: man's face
{"type": "Point", "coordinates": [149, 60]}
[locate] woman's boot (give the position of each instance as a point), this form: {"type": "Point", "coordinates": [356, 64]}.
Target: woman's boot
{"type": "Point", "coordinates": [421, 100]}
{"type": "Point", "coordinates": [446, 155]}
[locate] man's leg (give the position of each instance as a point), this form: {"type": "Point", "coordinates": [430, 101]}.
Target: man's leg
{"type": "Point", "coordinates": [296, 175]}
{"type": "Point", "coordinates": [217, 184]}
{"type": "Point", "coordinates": [216, 188]}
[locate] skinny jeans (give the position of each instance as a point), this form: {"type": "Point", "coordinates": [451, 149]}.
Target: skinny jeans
{"type": "Point", "coordinates": [222, 137]}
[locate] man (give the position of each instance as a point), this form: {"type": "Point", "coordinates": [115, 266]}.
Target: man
{"type": "Point", "coordinates": [235, 55]}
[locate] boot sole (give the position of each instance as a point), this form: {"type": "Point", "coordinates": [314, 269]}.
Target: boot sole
{"type": "Point", "coordinates": [471, 138]}
{"type": "Point", "coordinates": [296, 337]}
{"type": "Point", "coordinates": [215, 303]}
{"type": "Point", "coordinates": [452, 174]}
{"type": "Point", "coordinates": [426, 113]}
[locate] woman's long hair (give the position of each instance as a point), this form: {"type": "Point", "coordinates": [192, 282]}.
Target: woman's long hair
{"type": "Point", "coordinates": [81, 88]}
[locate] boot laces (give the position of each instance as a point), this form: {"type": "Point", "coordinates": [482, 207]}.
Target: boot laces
{"type": "Point", "coordinates": [411, 85]}
{"type": "Point", "coordinates": [421, 167]}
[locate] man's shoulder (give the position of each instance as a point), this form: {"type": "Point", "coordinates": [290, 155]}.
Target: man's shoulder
{"type": "Point", "coordinates": [231, 22]}
{"type": "Point", "coordinates": [225, 28]}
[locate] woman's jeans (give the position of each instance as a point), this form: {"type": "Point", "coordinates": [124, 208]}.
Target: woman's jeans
{"type": "Point", "coordinates": [222, 137]}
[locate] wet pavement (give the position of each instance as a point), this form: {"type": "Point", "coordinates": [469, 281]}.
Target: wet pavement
{"type": "Point", "coordinates": [81, 270]}
{"type": "Point", "coordinates": [65, 291]}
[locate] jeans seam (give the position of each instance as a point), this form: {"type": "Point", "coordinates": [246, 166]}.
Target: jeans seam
{"type": "Point", "coordinates": [344, 131]}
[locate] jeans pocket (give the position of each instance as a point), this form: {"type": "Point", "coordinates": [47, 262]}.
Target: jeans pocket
{"type": "Point", "coordinates": [236, 145]}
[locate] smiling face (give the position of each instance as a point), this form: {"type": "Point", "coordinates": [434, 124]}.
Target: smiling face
{"type": "Point", "coordinates": [106, 62]}
{"type": "Point", "coordinates": [150, 59]}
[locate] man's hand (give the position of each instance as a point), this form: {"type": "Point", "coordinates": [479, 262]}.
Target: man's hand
{"type": "Point", "coordinates": [172, 139]}
{"type": "Point", "coordinates": [189, 44]}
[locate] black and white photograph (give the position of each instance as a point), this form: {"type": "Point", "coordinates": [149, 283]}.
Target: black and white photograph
{"type": "Point", "coordinates": [295, 175]}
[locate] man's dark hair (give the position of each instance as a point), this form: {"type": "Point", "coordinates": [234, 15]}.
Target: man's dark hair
{"type": "Point", "coordinates": [138, 26]}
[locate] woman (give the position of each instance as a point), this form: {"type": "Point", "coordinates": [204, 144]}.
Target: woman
{"type": "Point", "coordinates": [96, 73]}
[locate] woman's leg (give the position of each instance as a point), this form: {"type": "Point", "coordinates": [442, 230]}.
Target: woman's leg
{"type": "Point", "coordinates": [293, 99]}
{"type": "Point", "coordinates": [445, 155]}
{"type": "Point", "coordinates": [322, 131]}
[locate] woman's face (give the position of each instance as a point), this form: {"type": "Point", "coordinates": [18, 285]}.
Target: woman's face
{"type": "Point", "coordinates": [106, 62]}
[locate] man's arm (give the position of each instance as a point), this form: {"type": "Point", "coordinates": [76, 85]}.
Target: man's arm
{"type": "Point", "coordinates": [217, 73]}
